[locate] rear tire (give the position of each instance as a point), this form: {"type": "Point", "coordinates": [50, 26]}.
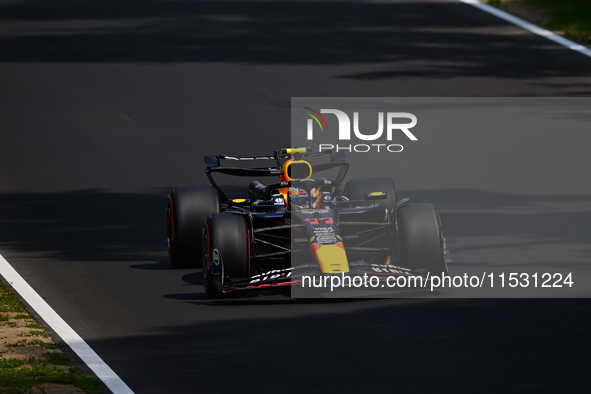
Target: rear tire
{"type": "Point", "coordinates": [186, 211]}
{"type": "Point", "coordinates": [357, 188]}
{"type": "Point", "coordinates": [226, 251]}
{"type": "Point", "coordinates": [420, 238]}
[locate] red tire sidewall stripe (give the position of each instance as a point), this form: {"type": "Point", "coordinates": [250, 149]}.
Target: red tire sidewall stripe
{"type": "Point", "coordinates": [206, 262]}
{"type": "Point", "coordinates": [171, 236]}
{"type": "Point", "coordinates": [248, 233]}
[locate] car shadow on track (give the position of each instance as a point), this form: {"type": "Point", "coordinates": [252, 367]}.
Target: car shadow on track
{"type": "Point", "coordinates": [276, 296]}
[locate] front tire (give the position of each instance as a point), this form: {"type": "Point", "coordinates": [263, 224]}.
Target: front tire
{"type": "Point", "coordinates": [186, 211]}
{"type": "Point", "coordinates": [421, 239]}
{"type": "Point", "coordinates": [226, 251]}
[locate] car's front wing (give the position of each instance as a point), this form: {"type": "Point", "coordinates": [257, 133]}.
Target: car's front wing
{"type": "Point", "coordinates": [294, 275]}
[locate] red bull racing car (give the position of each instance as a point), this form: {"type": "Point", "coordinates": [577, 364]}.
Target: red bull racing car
{"type": "Point", "coordinates": [304, 224]}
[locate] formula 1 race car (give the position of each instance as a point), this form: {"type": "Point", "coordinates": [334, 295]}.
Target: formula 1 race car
{"type": "Point", "coordinates": [301, 225]}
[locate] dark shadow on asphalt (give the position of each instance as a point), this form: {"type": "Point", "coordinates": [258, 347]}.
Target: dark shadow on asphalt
{"type": "Point", "coordinates": [85, 225]}
{"type": "Point", "coordinates": [94, 226]}
{"type": "Point", "coordinates": [453, 346]}
{"type": "Point", "coordinates": [283, 32]}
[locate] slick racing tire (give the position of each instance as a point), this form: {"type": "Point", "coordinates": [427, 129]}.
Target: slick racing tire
{"type": "Point", "coordinates": [226, 251]}
{"type": "Point", "coordinates": [420, 238]}
{"type": "Point", "coordinates": [186, 211]}
{"type": "Point", "coordinates": [357, 188]}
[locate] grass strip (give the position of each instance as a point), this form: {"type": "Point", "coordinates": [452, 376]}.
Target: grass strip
{"type": "Point", "coordinates": [24, 377]}
{"type": "Point", "coordinates": [569, 17]}
{"type": "Point", "coordinates": [49, 365]}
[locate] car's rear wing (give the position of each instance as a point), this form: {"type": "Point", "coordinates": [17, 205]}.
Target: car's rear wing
{"type": "Point", "coordinates": [279, 155]}
{"type": "Point", "coordinates": [213, 164]}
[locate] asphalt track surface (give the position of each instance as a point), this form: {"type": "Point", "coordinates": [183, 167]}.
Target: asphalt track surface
{"type": "Point", "coordinates": [106, 105]}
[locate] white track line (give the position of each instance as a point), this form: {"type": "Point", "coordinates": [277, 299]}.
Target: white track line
{"type": "Point", "coordinates": [69, 336]}
{"type": "Point", "coordinates": [530, 27]}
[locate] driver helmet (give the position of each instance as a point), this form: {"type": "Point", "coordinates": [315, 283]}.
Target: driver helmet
{"type": "Point", "coordinates": [298, 198]}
